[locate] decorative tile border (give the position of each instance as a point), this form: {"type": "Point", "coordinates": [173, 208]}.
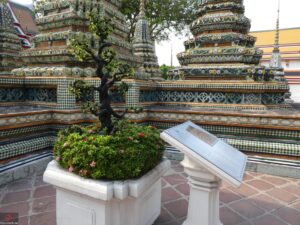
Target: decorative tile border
{"type": "Point", "coordinates": [27, 146]}
{"type": "Point", "coordinates": [11, 121]}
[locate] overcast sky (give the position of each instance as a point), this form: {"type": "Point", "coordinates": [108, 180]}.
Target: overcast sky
{"type": "Point", "coordinates": [262, 13]}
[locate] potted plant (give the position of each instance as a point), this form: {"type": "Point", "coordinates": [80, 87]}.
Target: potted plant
{"type": "Point", "coordinates": [106, 174]}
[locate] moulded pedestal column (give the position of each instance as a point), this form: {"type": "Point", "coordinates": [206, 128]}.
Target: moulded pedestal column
{"type": "Point", "coordinates": [204, 195]}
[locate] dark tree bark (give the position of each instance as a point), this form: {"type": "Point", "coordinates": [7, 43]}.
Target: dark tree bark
{"type": "Point", "coordinates": [108, 69]}
{"type": "Point", "coordinates": [106, 111]}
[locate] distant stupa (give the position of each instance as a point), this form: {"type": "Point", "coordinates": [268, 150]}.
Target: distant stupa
{"type": "Point", "coordinates": [276, 56]}
{"type": "Point", "coordinates": [223, 56]}
{"type": "Point", "coordinates": [144, 46]}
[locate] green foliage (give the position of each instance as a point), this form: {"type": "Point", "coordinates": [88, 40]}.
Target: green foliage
{"type": "Point", "coordinates": [101, 27]}
{"type": "Point", "coordinates": [83, 93]}
{"type": "Point", "coordinates": [118, 69]}
{"type": "Point", "coordinates": [130, 153]}
{"type": "Point", "coordinates": [123, 88]}
{"type": "Point", "coordinates": [136, 109]}
{"type": "Point", "coordinates": [81, 48]}
{"type": "Point", "coordinates": [106, 27]}
{"type": "Point", "coordinates": [165, 16]}
{"type": "Point", "coordinates": [80, 88]}
{"type": "Point", "coordinates": [165, 70]}
{"type": "Point", "coordinates": [90, 106]}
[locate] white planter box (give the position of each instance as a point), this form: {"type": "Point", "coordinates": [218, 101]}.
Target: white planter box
{"type": "Point", "coordinates": [82, 201]}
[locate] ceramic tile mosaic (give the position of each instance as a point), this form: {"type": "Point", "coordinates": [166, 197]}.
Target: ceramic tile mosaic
{"type": "Point", "coordinates": [236, 102]}
{"type": "Point", "coordinates": [23, 147]}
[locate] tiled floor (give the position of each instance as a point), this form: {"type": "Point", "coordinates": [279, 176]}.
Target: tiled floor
{"type": "Point", "coordinates": [261, 200]}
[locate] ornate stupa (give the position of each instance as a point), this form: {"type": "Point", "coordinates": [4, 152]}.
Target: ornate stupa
{"type": "Point", "coordinates": [10, 45]}
{"type": "Point", "coordinates": [59, 22]}
{"type": "Point", "coordinates": [276, 63]}
{"type": "Point", "coordinates": [223, 56]}
{"type": "Point", "coordinates": [144, 46]}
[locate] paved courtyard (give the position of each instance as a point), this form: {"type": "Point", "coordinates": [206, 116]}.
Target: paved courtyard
{"type": "Point", "coordinates": [261, 200]}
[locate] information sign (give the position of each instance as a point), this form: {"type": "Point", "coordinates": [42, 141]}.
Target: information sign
{"type": "Point", "coordinates": [220, 158]}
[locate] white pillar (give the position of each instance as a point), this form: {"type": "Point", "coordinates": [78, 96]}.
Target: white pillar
{"type": "Point", "coordinates": [204, 195]}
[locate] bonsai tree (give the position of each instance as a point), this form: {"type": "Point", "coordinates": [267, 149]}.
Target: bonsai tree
{"type": "Point", "coordinates": [122, 150]}
{"type": "Point", "coordinates": [108, 68]}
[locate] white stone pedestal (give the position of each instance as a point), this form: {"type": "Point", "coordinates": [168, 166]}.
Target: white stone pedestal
{"type": "Point", "coordinates": [82, 201]}
{"type": "Point", "coordinates": [204, 195]}
{"type": "Point", "coordinates": [208, 160]}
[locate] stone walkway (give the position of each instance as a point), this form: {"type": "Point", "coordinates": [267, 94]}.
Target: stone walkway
{"type": "Point", "coordinates": [261, 200]}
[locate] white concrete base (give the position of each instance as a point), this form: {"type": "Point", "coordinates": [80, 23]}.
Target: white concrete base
{"type": "Point", "coordinates": [88, 202]}
{"type": "Point", "coordinates": [204, 195]}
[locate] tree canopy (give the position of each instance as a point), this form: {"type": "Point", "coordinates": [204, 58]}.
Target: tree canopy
{"type": "Point", "coordinates": [165, 16]}
{"type": "Point", "coordinates": [165, 70]}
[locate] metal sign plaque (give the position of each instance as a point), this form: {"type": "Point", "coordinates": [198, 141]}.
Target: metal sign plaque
{"type": "Point", "coordinates": [220, 157]}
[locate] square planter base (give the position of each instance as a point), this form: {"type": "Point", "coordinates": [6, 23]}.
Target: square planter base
{"type": "Point", "coordinates": [89, 202]}
{"type": "Point", "coordinates": [77, 209]}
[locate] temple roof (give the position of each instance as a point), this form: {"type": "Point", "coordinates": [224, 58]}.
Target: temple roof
{"type": "Point", "coordinates": [144, 46]}
{"type": "Point", "coordinates": [26, 18]}
{"type": "Point", "coordinates": [287, 36]}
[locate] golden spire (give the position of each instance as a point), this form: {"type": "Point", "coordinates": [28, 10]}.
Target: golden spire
{"type": "Point", "coordinates": [142, 14]}
{"type": "Point", "coordinates": [276, 57]}
{"type": "Point", "coordinates": [276, 45]}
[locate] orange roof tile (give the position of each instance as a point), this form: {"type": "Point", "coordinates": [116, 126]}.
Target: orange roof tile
{"type": "Point", "coordinates": [287, 36]}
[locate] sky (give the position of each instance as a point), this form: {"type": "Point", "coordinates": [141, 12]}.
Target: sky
{"type": "Point", "coordinates": [263, 14]}
{"type": "Point", "coordinates": [24, 2]}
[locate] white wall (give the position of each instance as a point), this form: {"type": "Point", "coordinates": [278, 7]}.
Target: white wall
{"type": "Point", "coordinates": [295, 90]}
{"type": "Point", "coordinates": [292, 65]}
{"type": "Point", "coordinates": [288, 65]}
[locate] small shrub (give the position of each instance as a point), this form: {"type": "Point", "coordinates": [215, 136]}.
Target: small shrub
{"type": "Point", "coordinates": [131, 152]}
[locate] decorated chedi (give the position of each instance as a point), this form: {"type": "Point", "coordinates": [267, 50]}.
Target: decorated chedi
{"type": "Point", "coordinates": [223, 57]}
{"type": "Point", "coordinates": [144, 47]}
{"type": "Point", "coordinates": [10, 45]}
{"type": "Point", "coordinates": [61, 21]}
{"type": "Point", "coordinates": [276, 62]}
